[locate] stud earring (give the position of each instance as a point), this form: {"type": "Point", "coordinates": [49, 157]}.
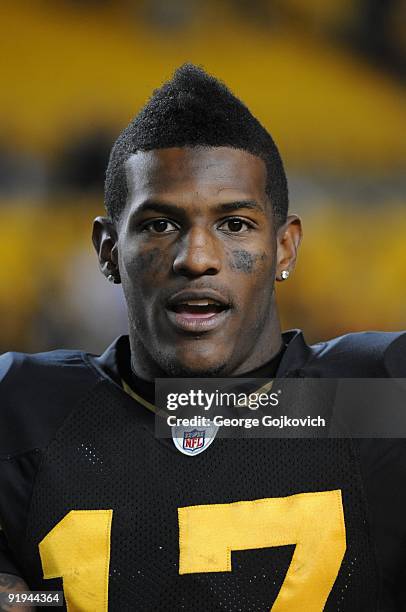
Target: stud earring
{"type": "Point", "coordinates": [285, 274]}
{"type": "Point", "coordinates": [111, 278]}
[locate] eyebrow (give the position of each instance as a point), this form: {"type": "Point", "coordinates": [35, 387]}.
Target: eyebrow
{"type": "Point", "coordinates": [166, 208]}
{"type": "Point", "coordinates": [230, 206]}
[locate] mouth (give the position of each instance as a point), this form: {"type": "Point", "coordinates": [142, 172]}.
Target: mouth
{"type": "Point", "coordinates": [201, 311]}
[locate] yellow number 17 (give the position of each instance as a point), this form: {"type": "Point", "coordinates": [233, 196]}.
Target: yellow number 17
{"type": "Point", "coordinates": [78, 547]}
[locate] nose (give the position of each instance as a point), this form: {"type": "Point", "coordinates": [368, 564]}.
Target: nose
{"type": "Point", "coordinates": [198, 254]}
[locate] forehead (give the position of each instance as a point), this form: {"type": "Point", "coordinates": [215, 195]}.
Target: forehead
{"type": "Point", "coordinates": [206, 172]}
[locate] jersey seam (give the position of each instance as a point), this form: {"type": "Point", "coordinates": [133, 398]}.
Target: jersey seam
{"type": "Point", "coordinates": [45, 450]}
{"type": "Point", "coordinates": [86, 360]}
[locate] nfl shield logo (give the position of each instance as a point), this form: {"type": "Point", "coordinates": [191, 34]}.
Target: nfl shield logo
{"type": "Point", "coordinates": [193, 440]}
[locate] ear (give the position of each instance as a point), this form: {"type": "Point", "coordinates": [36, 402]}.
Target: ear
{"type": "Point", "coordinates": [104, 239]}
{"type": "Point", "coordinates": [288, 239]}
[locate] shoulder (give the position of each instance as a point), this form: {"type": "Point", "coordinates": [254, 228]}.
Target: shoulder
{"type": "Point", "coordinates": [364, 354]}
{"type": "Point", "coordinates": [23, 373]}
{"type": "Point", "coordinates": [36, 392]}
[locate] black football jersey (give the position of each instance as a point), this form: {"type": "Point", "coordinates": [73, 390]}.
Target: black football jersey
{"type": "Point", "coordinates": [92, 502]}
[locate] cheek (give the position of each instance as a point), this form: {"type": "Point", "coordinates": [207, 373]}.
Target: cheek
{"type": "Point", "coordinates": [142, 265]}
{"type": "Point", "coordinates": [247, 262]}
{"type": "Point", "coordinates": [256, 272]}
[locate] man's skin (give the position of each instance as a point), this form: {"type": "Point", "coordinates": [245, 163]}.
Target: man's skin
{"type": "Point", "coordinates": [13, 584]}
{"type": "Point", "coordinates": [198, 219]}
{"type": "Point", "coordinates": [220, 240]}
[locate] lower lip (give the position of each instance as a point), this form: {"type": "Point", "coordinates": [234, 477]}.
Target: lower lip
{"type": "Point", "coordinates": [197, 323]}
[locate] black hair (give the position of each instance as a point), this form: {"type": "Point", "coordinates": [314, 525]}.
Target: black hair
{"type": "Point", "coordinates": [194, 109]}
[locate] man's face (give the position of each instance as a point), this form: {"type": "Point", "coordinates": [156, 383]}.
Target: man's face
{"type": "Point", "coordinates": [196, 254]}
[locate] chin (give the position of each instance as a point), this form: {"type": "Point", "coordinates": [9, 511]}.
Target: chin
{"type": "Point", "coordinates": [184, 370]}
{"type": "Point", "coordinates": [194, 366]}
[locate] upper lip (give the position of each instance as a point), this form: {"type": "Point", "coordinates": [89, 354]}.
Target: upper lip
{"type": "Point", "coordinates": [198, 294]}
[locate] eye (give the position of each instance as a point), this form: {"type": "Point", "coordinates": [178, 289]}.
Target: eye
{"type": "Point", "coordinates": [235, 225]}
{"type": "Point", "coordinates": [160, 226]}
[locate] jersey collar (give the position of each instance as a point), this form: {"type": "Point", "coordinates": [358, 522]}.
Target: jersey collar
{"type": "Point", "coordinates": [296, 355]}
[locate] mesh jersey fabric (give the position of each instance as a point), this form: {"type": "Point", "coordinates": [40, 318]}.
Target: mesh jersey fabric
{"type": "Point", "coordinates": [103, 457]}
{"type": "Point", "coordinates": [70, 438]}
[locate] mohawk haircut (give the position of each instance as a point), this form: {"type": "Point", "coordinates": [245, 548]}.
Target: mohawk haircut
{"type": "Point", "coordinates": [194, 109]}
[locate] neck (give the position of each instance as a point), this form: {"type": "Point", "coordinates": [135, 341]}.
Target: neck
{"type": "Point", "coordinates": [269, 345]}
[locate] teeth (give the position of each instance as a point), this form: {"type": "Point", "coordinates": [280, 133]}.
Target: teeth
{"type": "Point", "coordinates": [204, 302]}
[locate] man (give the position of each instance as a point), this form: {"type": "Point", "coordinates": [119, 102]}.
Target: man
{"type": "Point", "coordinates": [197, 233]}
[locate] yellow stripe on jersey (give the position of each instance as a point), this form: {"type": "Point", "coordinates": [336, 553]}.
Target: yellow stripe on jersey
{"type": "Point", "coordinates": [138, 398]}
